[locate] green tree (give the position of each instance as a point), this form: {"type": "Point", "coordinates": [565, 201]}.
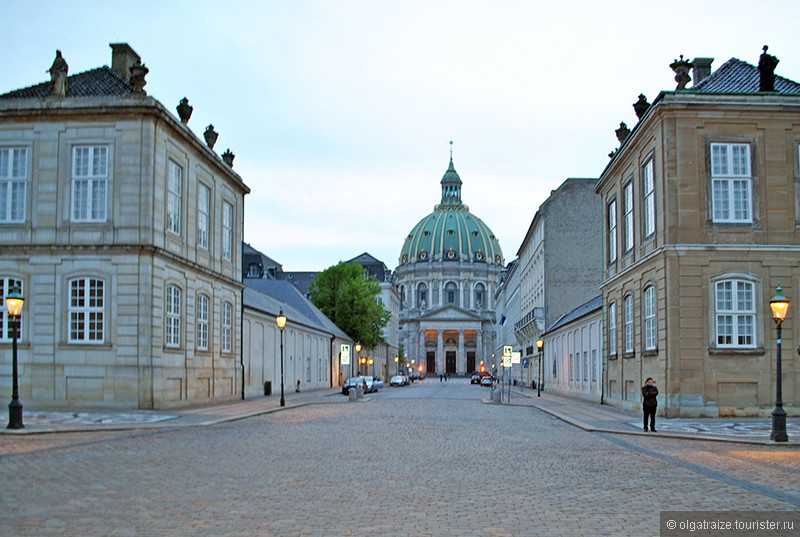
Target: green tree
{"type": "Point", "coordinates": [349, 297]}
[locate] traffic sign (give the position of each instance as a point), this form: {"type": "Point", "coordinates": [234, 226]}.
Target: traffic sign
{"type": "Point", "coordinates": [345, 360]}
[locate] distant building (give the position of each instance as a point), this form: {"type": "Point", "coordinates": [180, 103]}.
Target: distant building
{"type": "Point", "coordinates": [701, 212]}
{"type": "Point", "coordinates": [560, 266]}
{"type": "Point", "coordinates": [122, 228]}
{"type": "Point", "coordinates": [448, 271]}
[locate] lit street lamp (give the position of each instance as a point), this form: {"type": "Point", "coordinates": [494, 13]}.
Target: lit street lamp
{"type": "Point", "coordinates": [281, 320]}
{"type": "Point", "coordinates": [540, 346]}
{"type": "Point", "coordinates": [397, 365]}
{"type": "Point", "coordinates": [779, 306]}
{"type": "Point", "coordinates": [14, 302]}
{"type": "Point", "coordinates": [355, 362]}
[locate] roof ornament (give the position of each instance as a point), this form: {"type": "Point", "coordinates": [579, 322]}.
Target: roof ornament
{"type": "Point", "coordinates": [766, 70]}
{"type": "Point", "coordinates": [641, 106]}
{"type": "Point", "coordinates": [622, 132]}
{"type": "Point", "coordinates": [211, 136]}
{"type": "Point", "coordinates": [184, 110]}
{"type": "Point", "coordinates": [228, 157]}
{"type": "Point", "coordinates": [451, 149]}
{"type": "Point", "coordinates": [138, 72]}
{"type": "Point", "coordinates": [681, 68]}
{"type": "Point", "coordinates": [58, 76]}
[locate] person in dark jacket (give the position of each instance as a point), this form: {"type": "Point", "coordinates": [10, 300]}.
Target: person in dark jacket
{"type": "Point", "coordinates": [649, 403]}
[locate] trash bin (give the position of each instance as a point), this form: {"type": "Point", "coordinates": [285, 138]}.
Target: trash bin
{"type": "Point", "coordinates": [268, 387]}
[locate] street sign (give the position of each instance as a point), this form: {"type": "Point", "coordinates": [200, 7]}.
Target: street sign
{"type": "Point", "coordinates": [525, 363]}
{"type": "Point", "coordinates": [345, 354]}
{"type": "Point", "coordinates": [515, 357]}
{"type": "Point", "coordinates": [507, 349]}
{"type": "Point", "coordinates": [506, 360]}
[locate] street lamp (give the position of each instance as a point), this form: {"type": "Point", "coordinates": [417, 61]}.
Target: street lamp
{"type": "Point", "coordinates": [540, 346]}
{"type": "Point", "coordinates": [371, 366]}
{"type": "Point", "coordinates": [281, 320]}
{"type": "Point", "coordinates": [397, 365]}
{"type": "Point", "coordinates": [779, 306]}
{"type": "Point", "coordinates": [358, 349]}
{"type": "Point", "coordinates": [14, 302]}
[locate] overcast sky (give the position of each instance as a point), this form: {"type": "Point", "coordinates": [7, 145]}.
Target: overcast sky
{"type": "Point", "coordinates": [340, 112]}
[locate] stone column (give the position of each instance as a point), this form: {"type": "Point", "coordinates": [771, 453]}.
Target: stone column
{"type": "Point", "coordinates": [461, 361]}
{"type": "Point", "coordinates": [440, 368]}
{"type": "Point", "coordinates": [480, 354]}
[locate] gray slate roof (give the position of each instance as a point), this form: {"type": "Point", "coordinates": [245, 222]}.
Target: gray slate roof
{"type": "Point", "coordinates": [93, 83]}
{"type": "Point", "coordinates": [584, 309]}
{"type": "Point", "coordinates": [736, 76]}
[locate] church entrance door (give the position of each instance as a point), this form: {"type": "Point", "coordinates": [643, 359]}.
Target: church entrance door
{"type": "Point", "coordinates": [431, 362]}
{"type": "Point", "coordinates": [470, 362]}
{"type": "Point", "coordinates": [450, 358]}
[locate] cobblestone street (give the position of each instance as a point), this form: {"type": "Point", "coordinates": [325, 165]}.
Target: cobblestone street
{"type": "Point", "coordinates": [426, 460]}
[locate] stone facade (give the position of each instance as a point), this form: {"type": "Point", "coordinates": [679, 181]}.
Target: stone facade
{"type": "Point", "coordinates": [124, 232]}
{"type": "Point", "coordinates": [701, 219]}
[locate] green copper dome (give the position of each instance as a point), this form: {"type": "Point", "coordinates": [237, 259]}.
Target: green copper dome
{"type": "Point", "coordinates": [451, 232]}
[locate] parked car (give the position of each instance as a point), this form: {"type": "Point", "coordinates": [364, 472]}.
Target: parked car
{"type": "Point", "coordinates": [398, 380]}
{"type": "Point", "coordinates": [487, 381]}
{"type": "Point", "coordinates": [353, 382]}
{"type": "Point", "coordinates": [476, 378]}
{"type": "Point", "coordinates": [373, 383]}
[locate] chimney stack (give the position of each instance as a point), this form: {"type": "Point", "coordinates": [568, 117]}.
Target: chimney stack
{"type": "Point", "coordinates": [123, 57]}
{"type": "Point", "coordinates": [701, 68]}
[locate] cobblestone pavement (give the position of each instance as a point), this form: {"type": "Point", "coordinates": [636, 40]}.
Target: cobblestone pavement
{"type": "Point", "coordinates": [425, 460]}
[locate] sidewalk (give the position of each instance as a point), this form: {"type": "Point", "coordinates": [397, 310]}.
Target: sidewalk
{"type": "Point", "coordinates": [594, 417]}
{"type": "Point", "coordinates": [56, 421]}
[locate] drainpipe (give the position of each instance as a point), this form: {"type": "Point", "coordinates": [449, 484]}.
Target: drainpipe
{"type": "Point", "coordinates": [330, 366]}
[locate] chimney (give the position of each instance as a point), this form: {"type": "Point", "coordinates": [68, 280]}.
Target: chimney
{"type": "Point", "coordinates": [701, 68]}
{"type": "Point", "coordinates": [123, 57]}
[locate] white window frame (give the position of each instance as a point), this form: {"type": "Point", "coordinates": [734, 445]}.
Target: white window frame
{"type": "Point", "coordinates": [86, 311]}
{"type": "Point", "coordinates": [731, 183]}
{"type": "Point", "coordinates": [174, 197]}
{"type": "Point", "coordinates": [172, 325]}
{"type": "Point", "coordinates": [227, 326]}
{"type": "Point", "coordinates": [628, 200]}
{"type": "Point", "coordinates": [594, 365]}
{"type": "Point", "coordinates": [649, 205]}
{"type": "Point", "coordinates": [227, 231]}
{"type": "Point", "coordinates": [650, 340]}
{"type": "Point", "coordinates": [6, 285]}
{"type": "Point", "coordinates": [612, 328]}
{"type": "Point", "coordinates": [612, 231]}
{"type": "Point", "coordinates": [203, 215]}
{"type": "Point", "coordinates": [627, 311]}
{"type": "Point", "coordinates": [735, 313]}
{"type": "Point", "coordinates": [203, 307]}
{"type": "Point", "coordinates": [13, 184]}
{"type": "Point", "coordinates": [90, 183]}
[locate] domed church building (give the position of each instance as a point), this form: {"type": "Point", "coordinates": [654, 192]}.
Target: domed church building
{"type": "Point", "coordinates": [449, 266]}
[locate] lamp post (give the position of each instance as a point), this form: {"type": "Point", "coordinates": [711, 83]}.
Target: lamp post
{"type": "Point", "coordinates": [371, 366]}
{"type": "Point", "coordinates": [779, 306]}
{"type": "Point", "coordinates": [14, 302]}
{"type": "Point", "coordinates": [540, 346]}
{"type": "Point", "coordinates": [281, 320]}
{"type": "Point", "coordinates": [355, 362]}
{"type": "Point", "coordinates": [397, 365]}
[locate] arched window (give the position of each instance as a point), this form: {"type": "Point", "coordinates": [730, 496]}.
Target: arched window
{"type": "Point", "coordinates": [628, 327]}
{"type": "Point", "coordinates": [227, 326]}
{"type": "Point", "coordinates": [735, 313]}
{"type": "Point", "coordinates": [422, 296]}
{"type": "Point", "coordinates": [650, 318]}
{"type": "Point", "coordinates": [86, 310]}
{"type": "Point", "coordinates": [451, 294]}
{"type": "Point", "coordinates": [480, 296]}
{"type": "Point", "coordinates": [612, 328]}
{"type": "Point", "coordinates": [172, 330]}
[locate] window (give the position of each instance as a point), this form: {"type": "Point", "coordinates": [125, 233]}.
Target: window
{"type": "Point", "coordinates": [649, 200]}
{"type": "Point", "coordinates": [227, 326]}
{"type": "Point", "coordinates": [174, 190]}
{"type": "Point", "coordinates": [86, 305]}
{"type": "Point", "coordinates": [13, 174]}
{"type": "Point", "coordinates": [6, 286]}
{"type": "Point", "coordinates": [451, 294]}
{"type": "Point", "coordinates": [89, 183]}
{"type": "Point", "coordinates": [479, 295]}
{"type": "Point", "coordinates": [628, 311]}
{"type": "Point", "coordinates": [173, 328]}
{"type": "Point", "coordinates": [731, 182]}
{"type": "Point", "coordinates": [422, 296]}
{"type": "Point", "coordinates": [594, 365]}
{"type": "Point", "coordinates": [227, 231]}
{"type": "Point", "coordinates": [571, 368]}
{"type": "Point", "coordinates": [735, 313]}
{"type": "Point", "coordinates": [612, 328]}
{"type": "Point", "coordinates": [650, 318]}
{"type": "Point", "coordinates": [612, 231]}
{"type": "Point", "coordinates": [628, 217]}
{"type": "Point", "coordinates": [585, 366]}
{"type": "Point", "coordinates": [203, 216]}
{"type": "Point", "coordinates": [202, 322]}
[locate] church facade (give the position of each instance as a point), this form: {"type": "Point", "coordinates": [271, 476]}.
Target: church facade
{"type": "Point", "coordinates": [446, 277]}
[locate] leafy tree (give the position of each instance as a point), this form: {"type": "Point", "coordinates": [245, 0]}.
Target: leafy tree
{"type": "Point", "coordinates": [349, 297]}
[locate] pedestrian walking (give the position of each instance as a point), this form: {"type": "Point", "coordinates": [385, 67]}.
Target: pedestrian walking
{"type": "Point", "coordinates": [441, 377]}
{"type": "Point", "coordinates": [649, 403]}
